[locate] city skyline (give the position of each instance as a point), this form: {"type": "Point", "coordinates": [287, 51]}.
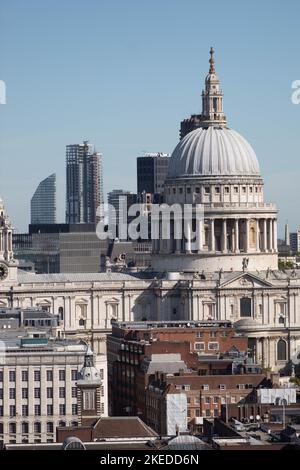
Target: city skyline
{"type": "Point", "coordinates": [123, 82]}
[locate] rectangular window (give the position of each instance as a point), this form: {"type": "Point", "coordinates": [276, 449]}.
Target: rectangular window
{"type": "Point", "coordinates": [216, 400]}
{"type": "Point", "coordinates": [37, 410]}
{"type": "Point", "coordinates": [74, 374]}
{"type": "Point", "coordinates": [101, 374]}
{"type": "Point", "coordinates": [37, 375]}
{"type": "Point", "coordinates": [188, 190]}
{"type": "Point", "coordinates": [49, 392]}
{"type": "Point", "coordinates": [12, 393]}
{"type": "Point", "coordinates": [227, 189]}
{"type": "Point", "coordinates": [213, 346]}
{"type": "Point", "coordinates": [217, 189]}
{"type": "Point", "coordinates": [37, 393]}
{"type": "Point", "coordinates": [89, 400]}
{"type": "Point", "coordinates": [236, 189]}
{"type": "Point", "coordinates": [245, 307]}
{"type": "Point", "coordinates": [213, 334]}
{"type": "Point", "coordinates": [207, 400]}
{"type": "Point", "coordinates": [207, 189]}
{"type": "Point", "coordinates": [1, 393]}
{"type": "Point", "coordinates": [207, 413]}
{"type": "Point", "coordinates": [49, 375]}
{"type": "Point", "coordinates": [199, 346]}
{"type": "Point", "coordinates": [197, 190]}
{"type": "Point", "coordinates": [12, 376]}
{"type": "Point", "coordinates": [74, 409]}
{"type": "Point", "coordinates": [62, 410]}
{"type": "Point", "coordinates": [49, 410]}
{"type": "Point", "coordinates": [197, 400]}
{"type": "Point", "coordinates": [205, 387]}
{"type": "Point", "coordinates": [62, 392]}
{"type": "Point", "coordinates": [216, 412]}
{"type": "Point", "coordinates": [25, 410]}
{"type": "Point", "coordinates": [62, 375]}
{"type": "Point", "coordinates": [1, 410]}
{"type": "Point", "coordinates": [199, 334]}
{"type": "Point", "coordinates": [222, 387]}
{"type": "Point", "coordinates": [1, 375]}
{"type": "Point", "coordinates": [24, 375]}
{"type": "Point", "coordinates": [12, 410]}
{"type": "Point", "coordinates": [74, 392]}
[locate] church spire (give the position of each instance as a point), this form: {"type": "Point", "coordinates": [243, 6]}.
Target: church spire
{"type": "Point", "coordinates": [212, 97]}
{"type": "Point", "coordinates": [212, 61]}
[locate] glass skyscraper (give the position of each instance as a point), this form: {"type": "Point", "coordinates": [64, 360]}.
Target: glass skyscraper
{"type": "Point", "coordinates": [43, 202]}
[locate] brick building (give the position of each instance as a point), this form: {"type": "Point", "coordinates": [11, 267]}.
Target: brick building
{"type": "Point", "coordinates": [195, 397]}
{"type": "Point", "coordinates": [201, 346]}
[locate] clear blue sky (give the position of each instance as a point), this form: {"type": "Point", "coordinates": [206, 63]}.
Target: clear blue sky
{"type": "Point", "coordinates": [124, 73]}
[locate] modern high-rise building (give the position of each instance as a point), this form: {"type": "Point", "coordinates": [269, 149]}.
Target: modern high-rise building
{"type": "Point", "coordinates": [43, 202]}
{"type": "Point", "coordinates": [84, 183]}
{"type": "Point", "coordinates": [152, 169]}
{"type": "Point", "coordinates": [119, 201]}
{"type": "Point", "coordinates": [295, 241]}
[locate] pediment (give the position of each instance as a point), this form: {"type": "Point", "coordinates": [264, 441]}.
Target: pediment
{"type": "Point", "coordinates": [247, 280]}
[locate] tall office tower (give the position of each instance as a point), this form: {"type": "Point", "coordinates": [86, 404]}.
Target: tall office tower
{"type": "Point", "coordinates": [43, 202]}
{"type": "Point", "coordinates": [295, 241]}
{"type": "Point", "coordinates": [152, 169]}
{"type": "Point", "coordinates": [121, 200]}
{"type": "Point", "coordinates": [84, 183]}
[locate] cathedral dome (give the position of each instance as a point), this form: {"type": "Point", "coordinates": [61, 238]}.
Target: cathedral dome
{"type": "Point", "coordinates": [213, 151]}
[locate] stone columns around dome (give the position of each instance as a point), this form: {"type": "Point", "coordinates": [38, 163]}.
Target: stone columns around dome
{"type": "Point", "coordinates": [265, 248]}
{"type": "Point", "coordinates": [224, 236]}
{"type": "Point", "coordinates": [237, 238]}
{"type": "Point", "coordinates": [212, 235]}
{"type": "Point", "coordinates": [275, 234]}
{"type": "Point", "coordinates": [177, 227]}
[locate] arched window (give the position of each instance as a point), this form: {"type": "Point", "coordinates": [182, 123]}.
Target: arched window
{"type": "Point", "coordinates": [25, 428]}
{"type": "Point", "coordinates": [61, 313]}
{"type": "Point", "coordinates": [281, 350]}
{"type": "Point", "coordinates": [12, 428]}
{"type": "Point", "coordinates": [49, 426]}
{"type": "Point", "coordinates": [37, 427]}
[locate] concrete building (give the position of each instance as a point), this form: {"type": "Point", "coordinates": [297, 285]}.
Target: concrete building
{"type": "Point", "coordinates": [84, 183]}
{"type": "Point", "coordinates": [43, 202]}
{"type": "Point", "coordinates": [40, 383]}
